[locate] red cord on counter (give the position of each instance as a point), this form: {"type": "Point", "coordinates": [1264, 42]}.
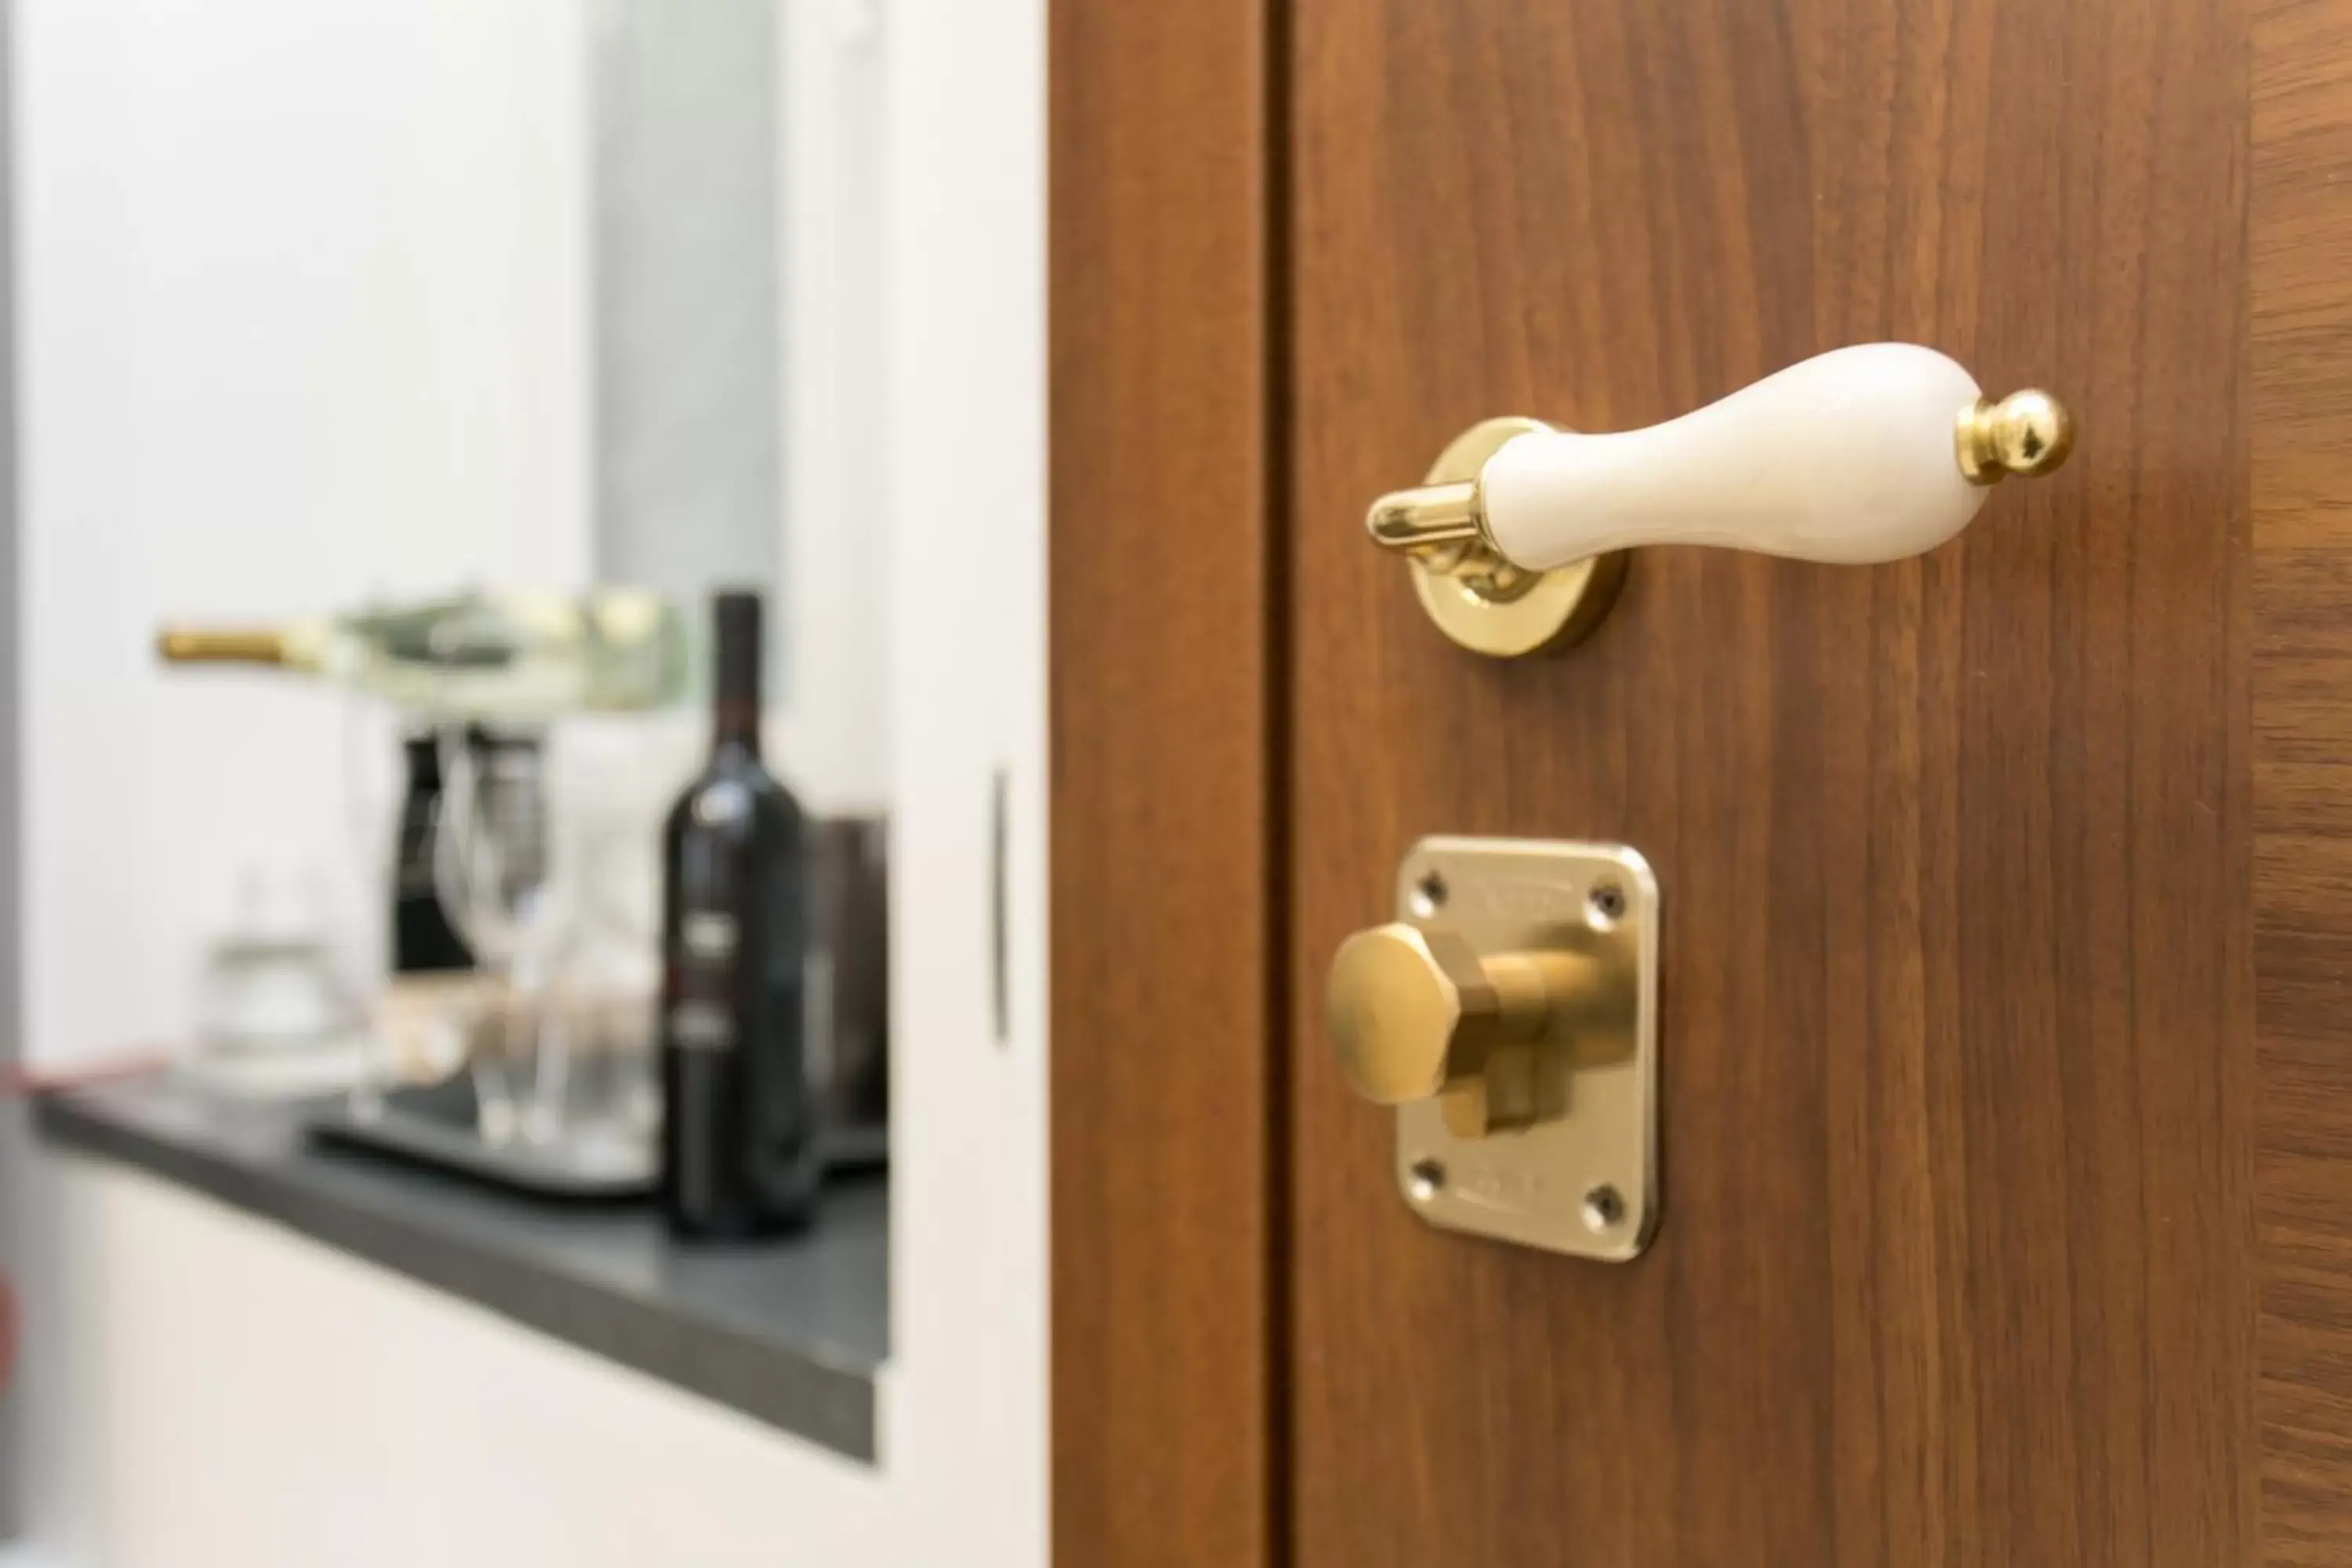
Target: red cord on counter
{"type": "Point", "coordinates": [20, 1082]}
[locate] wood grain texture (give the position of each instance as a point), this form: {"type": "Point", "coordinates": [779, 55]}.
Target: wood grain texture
{"type": "Point", "coordinates": [2300, 248]}
{"type": "Point", "coordinates": [1163, 1077]}
{"type": "Point", "coordinates": [1958, 1262]}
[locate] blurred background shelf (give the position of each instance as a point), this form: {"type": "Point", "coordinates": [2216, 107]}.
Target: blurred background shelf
{"type": "Point", "coordinates": [792, 1332]}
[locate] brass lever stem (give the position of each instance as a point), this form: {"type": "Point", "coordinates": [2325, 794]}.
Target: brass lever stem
{"type": "Point", "coordinates": [1427, 519]}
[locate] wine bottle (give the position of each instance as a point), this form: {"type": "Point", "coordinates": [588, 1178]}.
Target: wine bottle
{"type": "Point", "coordinates": [739, 1149]}
{"type": "Point", "coordinates": [485, 655]}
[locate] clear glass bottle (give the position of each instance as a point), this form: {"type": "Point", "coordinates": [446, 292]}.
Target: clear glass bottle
{"type": "Point", "coordinates": [501, 653]}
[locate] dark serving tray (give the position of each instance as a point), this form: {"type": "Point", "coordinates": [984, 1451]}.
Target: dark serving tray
{"type": "Point", "coordinates": [436, 1126]}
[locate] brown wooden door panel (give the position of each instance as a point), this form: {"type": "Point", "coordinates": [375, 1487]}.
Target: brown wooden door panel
{"type": "Point", "coordinates": [1165, 1128]}
{"type": "Point", "coordinates": [1957, 1262]}
{"type": "Point", "coordinates": [2300, 237]}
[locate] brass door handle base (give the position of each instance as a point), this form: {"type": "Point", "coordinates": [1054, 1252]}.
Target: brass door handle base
{"type": "Point", "coordinates": [1480, 600]}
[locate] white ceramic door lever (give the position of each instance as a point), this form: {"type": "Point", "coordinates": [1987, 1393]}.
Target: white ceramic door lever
{"type": "Point", "coordinates": [1864, 454]}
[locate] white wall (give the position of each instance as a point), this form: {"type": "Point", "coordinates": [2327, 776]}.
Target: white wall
{"type": "Point", "coordinates": [837, 593]}
{"type": "Point", "coordinates": [302, 318]}
{"type": "Point", "coordinates": [965, 464]}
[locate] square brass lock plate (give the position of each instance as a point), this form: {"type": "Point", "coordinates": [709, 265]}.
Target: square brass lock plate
{"type": "Point", "coordinates": [1582, 1177]}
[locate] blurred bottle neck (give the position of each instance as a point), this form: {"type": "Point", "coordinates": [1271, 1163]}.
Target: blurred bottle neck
{"type": "Point", "coordinates": [736, 710]}
{"type": "Point", "coordinates": [735, 727]}
{"type": "Point", "coordinates": [297, 645]}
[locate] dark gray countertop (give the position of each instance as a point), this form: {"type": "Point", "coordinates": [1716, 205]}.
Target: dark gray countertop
{"type": "Point", "coordinates": [792, 1332]}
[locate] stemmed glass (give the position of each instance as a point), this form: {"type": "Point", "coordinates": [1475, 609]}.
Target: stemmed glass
{"type": "Point", "coordinates": [615, 780]}
{"type": "Point", "coordinates": [493, 867]}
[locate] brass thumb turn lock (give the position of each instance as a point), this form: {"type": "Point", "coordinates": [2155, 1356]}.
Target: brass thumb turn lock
{"type": "Point", "coordinates": [1418, 1014]}
{"type": "Point", "coordinates": [1517, 537]}
{"type": "Point", "coordinates": [1509, 1014]}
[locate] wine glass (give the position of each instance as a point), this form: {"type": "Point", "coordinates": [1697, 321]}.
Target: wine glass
{"type": "Point", "coordinates": [615, 777]}
{"type": "Point", "coordinates": [492, 867]}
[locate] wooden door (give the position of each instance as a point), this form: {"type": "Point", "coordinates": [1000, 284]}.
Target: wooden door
{"type": "Point", "coordinates": [2006, 1046]}
{"type": "Point", "coordinates": [1958, 1261]}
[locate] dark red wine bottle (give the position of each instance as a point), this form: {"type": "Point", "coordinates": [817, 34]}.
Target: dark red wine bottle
{"type": "Point", "coordinates": [739, 1149]}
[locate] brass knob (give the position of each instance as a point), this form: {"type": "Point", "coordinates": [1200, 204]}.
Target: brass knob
{"type": "Point", "coordinates": [1416, 1014]}
{"type": "Point", "coordinates": [2026, 433]}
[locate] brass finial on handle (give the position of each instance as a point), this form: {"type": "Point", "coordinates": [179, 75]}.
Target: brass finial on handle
{"type": "Point", "coordinates": [2027, 433]}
